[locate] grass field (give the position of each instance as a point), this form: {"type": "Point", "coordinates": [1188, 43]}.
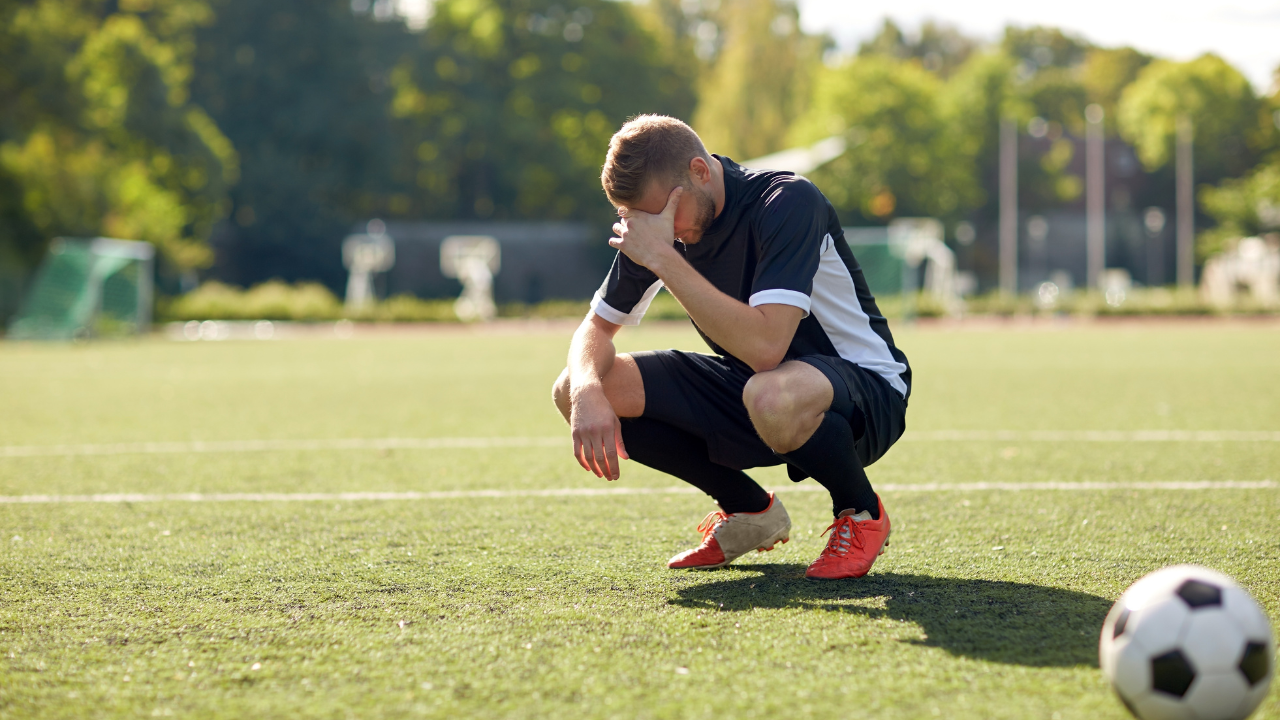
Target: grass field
{"type": "Point", "coordinates": [521, 604]}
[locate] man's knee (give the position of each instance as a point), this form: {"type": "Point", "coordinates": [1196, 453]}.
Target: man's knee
{"type": "Point", "coordinates": [767, 398]}
{"type": "Point", "coordinates": [787, 404]}
{"type": "Point", "coordinates": [560, 393]}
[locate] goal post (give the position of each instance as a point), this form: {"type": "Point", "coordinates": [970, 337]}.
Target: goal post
{"type": "Point", "coordinates": [88, 287]}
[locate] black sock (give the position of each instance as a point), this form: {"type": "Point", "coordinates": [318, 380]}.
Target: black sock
{"type": "Point", "coordinates": [673, 451]}
{"type": "Point", "coordinates": [829, 457]}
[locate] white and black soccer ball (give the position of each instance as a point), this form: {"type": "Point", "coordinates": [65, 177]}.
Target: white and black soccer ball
{"type": "Point", "coordinates": [1187, 643]}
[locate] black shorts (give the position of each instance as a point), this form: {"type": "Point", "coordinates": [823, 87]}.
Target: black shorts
{"type": "Point", "coordinates": [702, 395]}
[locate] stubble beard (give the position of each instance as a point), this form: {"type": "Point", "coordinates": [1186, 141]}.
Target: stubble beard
{"type": "Point", "coordinates": [706, 215]}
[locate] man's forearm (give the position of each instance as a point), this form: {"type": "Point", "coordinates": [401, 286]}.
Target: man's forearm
{"type": "Point", "coordinates": [591, 355]}
{"type": "Point", "coordinates": [597, 432]}
{"type": "Point", "coordinates": [744, 331]}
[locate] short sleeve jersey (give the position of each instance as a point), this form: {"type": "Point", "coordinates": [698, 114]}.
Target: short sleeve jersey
{"type": "Point", "coordinates": [777, 240]}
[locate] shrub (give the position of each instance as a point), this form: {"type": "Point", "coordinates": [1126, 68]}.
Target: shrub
{"type": "Point", "coordinates": [274, 300]}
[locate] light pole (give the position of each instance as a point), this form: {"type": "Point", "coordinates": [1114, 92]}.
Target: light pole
{"type": "Point", "coordinates": [1009, 206]}
{"type": "Point", "coordinates": [1095, 195]}
{"type": "Point", "coordinates": [1185, 205]}
{"type": "Point", "coordinates": [1153, 219]}
{"type": "Point", "coordinates": [1038, 247]}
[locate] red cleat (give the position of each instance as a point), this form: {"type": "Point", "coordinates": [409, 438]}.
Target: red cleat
{"type": "Point", "coordinates": [855, 543]}
{"type": "Point", "coordinates": [725, 537]}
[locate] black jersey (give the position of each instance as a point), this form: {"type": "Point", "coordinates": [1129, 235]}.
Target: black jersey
{"type": "Point", "coordinates": [776, 241]}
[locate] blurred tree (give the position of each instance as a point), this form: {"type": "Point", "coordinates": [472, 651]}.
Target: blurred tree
{"type": "Point", "coordinates": [983, 91]}
{"type": "Point", "coordinates": [302, 89]}
{"type": "Point", "coordinates": [1242, 207]}
{"type": "Point", "coordinates": [98, 135]}
{"type": "Point", "coordinates": [1036, 48]}
{"type": "Point", "coordinates": [1227, 116]}
{"type": "Point", "coordinates": [675, 25]}
{"type": "Point", "coordinates": [1058, 96]}
{"type": "Point", "coordinates": [686, 28]}
{"type": "Point", "coordinates": [1045, 103]}
{"type": "Point", "coordinates": [508, 105]}
{"type": "Point", "coordinates": [905, 156]}
{"type": "Point", "coordinates": [938, 47]}
{"type": "Point", "coordinates": [1105, 75]}
{"type": "Point", "coordinates": [760, 80]}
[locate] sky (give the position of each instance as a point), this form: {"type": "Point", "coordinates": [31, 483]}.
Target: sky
{"type": "Point", "coordinates": [1244, 32]}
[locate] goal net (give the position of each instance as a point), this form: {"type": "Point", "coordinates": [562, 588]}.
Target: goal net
{"type": "Point", "coordinates": [86, 288]}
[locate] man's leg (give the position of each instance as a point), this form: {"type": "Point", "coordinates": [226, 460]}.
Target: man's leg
{"type": "Point", "coordinates": [668, 449]}
{"type": "Point", "coordinates": [804, 410]}
{"type": "Point", "coordinates": [664, 447]}
{"type": "Point", "coordinates": [790, 408]}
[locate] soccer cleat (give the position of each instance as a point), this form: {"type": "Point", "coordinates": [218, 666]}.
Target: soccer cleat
{"type": "Point", "coordinates": [726, 536]}
{"type": "Point", "coordinates": [855, 543]}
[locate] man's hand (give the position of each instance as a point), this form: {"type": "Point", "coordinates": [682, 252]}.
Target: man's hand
{"type": "Point", "coordinates": [597, 433]}
{"type": "Point", "coordinates": [648, 239]}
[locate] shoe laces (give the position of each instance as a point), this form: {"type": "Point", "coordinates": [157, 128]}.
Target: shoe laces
{"type": "Point", "coordinates": [846, 536]}
{"type": "Point", "coordinates": [713, 520]}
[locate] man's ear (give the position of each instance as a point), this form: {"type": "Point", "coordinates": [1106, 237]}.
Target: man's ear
{"type": "Point", "coordinates": [699, 170]}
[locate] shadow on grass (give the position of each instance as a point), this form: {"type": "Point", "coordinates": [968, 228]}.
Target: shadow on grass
{"type": "Point", "coordinates": [1004, 622]}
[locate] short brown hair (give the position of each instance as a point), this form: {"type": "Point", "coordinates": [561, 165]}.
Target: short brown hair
{"type": "Point", "coordinates": [648, 147]}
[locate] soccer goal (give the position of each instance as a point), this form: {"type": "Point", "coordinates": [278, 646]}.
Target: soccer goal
{"type": "Point", "coordinates": [88, 287]}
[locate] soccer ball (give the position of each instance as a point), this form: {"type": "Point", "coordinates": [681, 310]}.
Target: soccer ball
{"type": "Point", "coordinates": [1187, 643]}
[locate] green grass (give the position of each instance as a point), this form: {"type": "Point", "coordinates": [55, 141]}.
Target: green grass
{"type": "Point", "coordinates": [987, 605]}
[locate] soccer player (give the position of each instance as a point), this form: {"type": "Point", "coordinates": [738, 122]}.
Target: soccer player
{"type": "Point", "coordinates": [804, 370]}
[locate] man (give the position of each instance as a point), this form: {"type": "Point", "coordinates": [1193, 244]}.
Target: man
{"type": "Point", "coordinates": [805, 371]}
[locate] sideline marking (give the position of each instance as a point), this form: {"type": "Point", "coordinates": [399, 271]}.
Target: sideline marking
{"type": "Point", "coordinates": [597, 492]}
{"type": "Point", "coordinates": [1094, 435]}
{"type": "Point", "coordinates": [447, 443]}
{"type": "Point", "coordinates": [241, 446]}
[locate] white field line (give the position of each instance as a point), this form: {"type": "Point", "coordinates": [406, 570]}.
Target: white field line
{"type": "Point", "coordinates": [444, 443]}
{"type": "Point", "coordinates": [612, 491]}
{"type": "Point", "coordinates": [243, 446]}
{"type": "Point", "coordinates": [1116, 436]}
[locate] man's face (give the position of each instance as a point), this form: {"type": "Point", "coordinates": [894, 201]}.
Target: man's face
{"type": "Point", "coordinates": [694, 214]}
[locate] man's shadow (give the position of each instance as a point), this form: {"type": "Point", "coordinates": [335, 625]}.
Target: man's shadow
{"type": "Point", "coordinates": [1003, 622]}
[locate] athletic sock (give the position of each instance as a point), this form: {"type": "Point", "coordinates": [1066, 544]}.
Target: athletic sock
{"type": "Point", "coordinates": [671, 450]}
{"type": "Point", "coordinates": [829, 457]}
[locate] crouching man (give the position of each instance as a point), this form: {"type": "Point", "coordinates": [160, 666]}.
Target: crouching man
{"type": "Point", "coordinates": [804, 370]}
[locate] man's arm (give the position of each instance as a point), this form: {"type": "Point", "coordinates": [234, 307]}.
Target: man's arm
{"type": "Point", "coordinates": [597, 432]}
{"type": "Point", "coordinates": [759, 336]}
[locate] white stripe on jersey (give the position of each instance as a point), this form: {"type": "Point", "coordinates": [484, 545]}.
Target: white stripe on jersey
{"type": "Point", "coordinates": [781, 297]}
{"type": "Point", "coordinates": [617, 317]}
{"type": "Point", "coordinates": [835, 306]}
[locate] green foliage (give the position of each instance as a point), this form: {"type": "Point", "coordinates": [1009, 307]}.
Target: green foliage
{"type": "Point", "coordinates": [1059, 97]}
{"type": "Point", "coordinates": [1106, 73]}
{"type": "Point", "coordinates": [1037, 73]}
{"type": "Point", "coordinates": [1038, 47]}
{"type": "Point", "coordinates": [982, 92]}
{"type": "Point", "coordinates": [100, 136]}
{"type": "Point", "coordinates": [905, 156]}
{"type": "Point", "coordinates": [1149, 302]}
{"type": "Point", "coordinates": [760, 81]}
{"type": "Point", "coordinates": [939, 48]}
{"type": "Point", "coordinates": [301, 87]}
{"type": "Point", "coordinates": [406, 308]}
{"type": "Point", "coordinates": [312, 302]}
{"type": "Point", "coordinates": [1242, 207]}
{"type": "Point", "coordinates": [511, 104]}
{"type": "Point", "coordinates": [1216, 97]}
{"type": "Point", "coordinates": [274, 300]}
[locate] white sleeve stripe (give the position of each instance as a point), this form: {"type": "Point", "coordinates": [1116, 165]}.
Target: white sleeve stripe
{"type": "Point", "coordinates": [617, 317]}
{"type": "Point", "coordinates": [781, 297]}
